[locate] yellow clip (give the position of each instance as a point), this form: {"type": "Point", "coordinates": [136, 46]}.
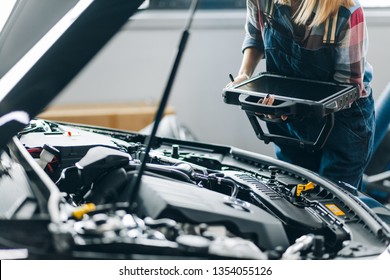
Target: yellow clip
{"type": "Point", "coordinates": [335, 210]}
{"type": "Point", "coordinates": [80, 211]}
{"type": "Point", "coordinates": [302, 188]}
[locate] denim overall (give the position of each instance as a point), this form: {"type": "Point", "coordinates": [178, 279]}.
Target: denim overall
{"type": "Point", "coordinates": [349, 146]}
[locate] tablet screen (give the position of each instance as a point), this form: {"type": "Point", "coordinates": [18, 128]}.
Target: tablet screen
{"type": "Point", "coordinates": [292, 88]}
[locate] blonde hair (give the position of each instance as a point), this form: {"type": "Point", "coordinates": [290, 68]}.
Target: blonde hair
{"type": "Point", "coordinates": [325, 9]}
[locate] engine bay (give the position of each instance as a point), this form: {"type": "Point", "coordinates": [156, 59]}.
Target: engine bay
{"type": "Point", "coordinates": [194, 200]}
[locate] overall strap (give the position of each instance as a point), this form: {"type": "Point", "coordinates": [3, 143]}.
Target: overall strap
{"type": "Point", "coordinates": [265, 12]}
{"type": "Point", "coordinates": [266, 17]}
{"type": "Point", "coordinates": [330, 30]}
{"type": "Point", "coordinates": [269, 8]}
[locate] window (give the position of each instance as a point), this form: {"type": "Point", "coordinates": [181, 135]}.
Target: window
{"type": "Point", "coordinates": [202, 4]}
{"type": "Point", "coordinates": [234, 4]}
{"type": "Point", "coordinates": [375, 3]}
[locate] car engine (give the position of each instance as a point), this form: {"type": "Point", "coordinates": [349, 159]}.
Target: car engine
{"type": "Point", "coordinates": [192, 200]}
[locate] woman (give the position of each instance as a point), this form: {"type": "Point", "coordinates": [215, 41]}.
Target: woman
{"type": "Point", "coordinates": [321, 40]}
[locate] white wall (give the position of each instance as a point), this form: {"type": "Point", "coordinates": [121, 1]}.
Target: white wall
{"type": "Point", "coordinates": [136, 64]}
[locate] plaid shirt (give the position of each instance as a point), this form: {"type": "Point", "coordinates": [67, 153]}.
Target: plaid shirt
{"type": "Point", "coordinates": [350, 45]}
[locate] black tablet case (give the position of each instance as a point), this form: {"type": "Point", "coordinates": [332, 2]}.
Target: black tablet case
{"type": "Point", "coordinates": [295, 98]}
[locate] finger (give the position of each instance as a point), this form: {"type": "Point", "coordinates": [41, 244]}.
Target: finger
{"type": "Point", "coordinates": [229, 85]}
{"type": "Point", "coordinates": [264, 100]}
{"type": "Point", "coordinates": [270, 100]}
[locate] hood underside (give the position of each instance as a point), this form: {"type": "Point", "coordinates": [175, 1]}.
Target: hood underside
{"type": "Point", "coordinates": [60, 45]}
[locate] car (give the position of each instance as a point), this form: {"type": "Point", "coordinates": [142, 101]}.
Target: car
{"type": "Point", "coordinates": [74, 191]}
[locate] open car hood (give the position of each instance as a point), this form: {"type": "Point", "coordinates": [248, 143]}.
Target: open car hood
{"type": "Point", "coordinates": [41, 54]}
{"type": "Point", "coordinates": [72, 191]}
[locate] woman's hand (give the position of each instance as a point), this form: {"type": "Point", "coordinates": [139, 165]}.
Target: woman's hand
{"type": "Point", "coordinates": [238, 79]}
{"type": "Point", "coordinates": [269, 100]}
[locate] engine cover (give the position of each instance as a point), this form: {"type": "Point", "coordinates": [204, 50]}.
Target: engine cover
{"type": "Point", "coordinates": [160, 198]}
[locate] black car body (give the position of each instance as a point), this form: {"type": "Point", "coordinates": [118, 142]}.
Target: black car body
{"type": "Point", "coordinates": [74, 191]}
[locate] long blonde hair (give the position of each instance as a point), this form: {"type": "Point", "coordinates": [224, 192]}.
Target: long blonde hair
{"type": "Point", "coordinates": [325, 9]}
